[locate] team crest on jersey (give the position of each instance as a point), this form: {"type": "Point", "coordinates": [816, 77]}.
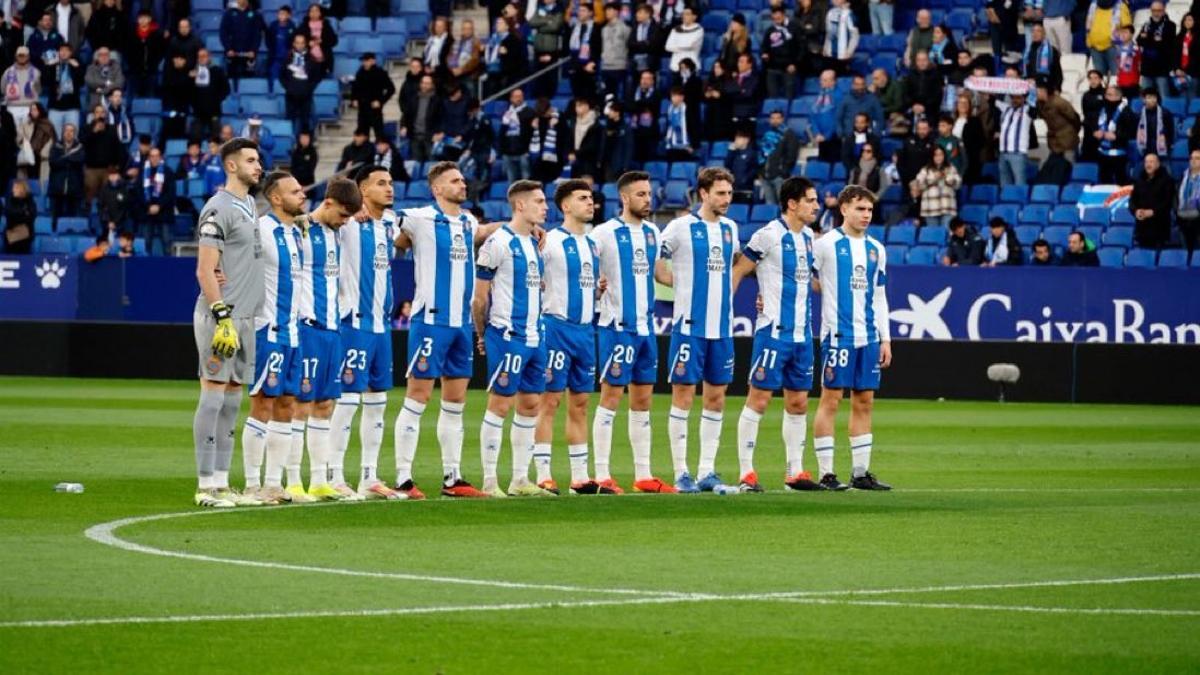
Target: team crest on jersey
{"type": "Point", "coordinates": [680, 368]}
{"type": "Point", "coordinates": [305, 386]}
{"type": "Point", "coordinates": [872, 255]}
{"type": "Point", "coordinates": [728, 236]}
{"type": "Point", "coordinates": [650, 238]}
{"type": "Point", "coordinates": [348, 376]}
{"type": "Point", "coordinates": [272, 380]}
{"type": "Point", "coordinates": [549, 375]}
{"type": "Point", "coordinates": [615, 370]}
{"type": "Point", "coordinates": [828, 373]}
{"type": "Point", "coordinates": [213, 365]}
{"type": "Point", "coordinates": [502, 379]}
{"type": "Point", "coordinates": [422, 364]}
{"type": "Point", "coordinates": [761, 374]}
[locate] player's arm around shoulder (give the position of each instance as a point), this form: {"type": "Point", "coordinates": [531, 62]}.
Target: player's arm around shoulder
{"type": "Point", "coordinates": [663, 273]}
{"type": "Point", "coordinates": [486, 262]}
{"type": "Point", "coordinates": [405, 222]}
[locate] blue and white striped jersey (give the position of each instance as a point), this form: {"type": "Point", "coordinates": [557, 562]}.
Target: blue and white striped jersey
{"type": "Point", "coordinates": [365, 285]}
{"type": "Point", "coordinates": [627, 257]}
{"type": "Point", "coordinates": [321, 265]}
{"type": "Point", "coordinates": [853, 274]}
{"type": "Point", "coordinates": [701, 256]}
{"type": "Point", "coordinates": [570, 262]}
{"type": "Point", "coordinates": [784, 272]}
{"type": "Point", "coordinates": [512, 263]}
{"type": "Point", "coordinates": [444, 265]}
{"type": "Point", "coordinates": [280, 311]}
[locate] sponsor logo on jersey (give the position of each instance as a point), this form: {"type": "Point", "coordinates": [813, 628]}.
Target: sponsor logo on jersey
{"type": "Point", "coordinates": [458, 248]}
{"type": "Point", "coordinates": [716, 259]}
{"type": "Point", "coordinates": [533, 278]}
{"type": "Point", "coordinates": [858, 280]}
{"type": "Point", "coordinates": [586, 280]}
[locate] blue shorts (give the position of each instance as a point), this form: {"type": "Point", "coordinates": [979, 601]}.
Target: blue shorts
{"type": "Point", "coordinates": [276, 367]}
{"type": "Point", "coordinates": [366, 360]}
{"type": "Point", "coordinates": [854, 368]}
{"type": "Point", "coordinates": [628, 357]}
{"type": "Point", "coordinates": [320, 355]}
{"type": "Point", "coordinates": [440, 351]}
{"type": "Point", "coordinates": [780, 363]}
{"type": "Point", "coordinates": [570, 356]}
{"type": "Point", "coordinates": [696, 359]}
{"type": "Point", "coordinates": [514, 366]}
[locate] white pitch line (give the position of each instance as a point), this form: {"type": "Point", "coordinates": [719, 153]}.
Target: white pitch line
{"type": "Point", "coordinates": [987, 587]}
{"type": "Point", "coordinates": [1031, 609]}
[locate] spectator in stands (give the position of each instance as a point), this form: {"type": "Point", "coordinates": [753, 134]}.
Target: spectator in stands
{"type": "Point", "coordinates": [780, 54]}
{"type": "Point", "coordinates": [951, 144]}
{"type": "Point", "coordinates": [100, 250]}
{"type": "Point", "coordinates": [504, 56]}
{"type": "Point", "coordinates": [858, 100]}
{"type": "Point", "coordinates": [736, 41]}
{"type": "Point", "coordinates": [177, 96]}
{"type": "Point", "coordinates": [138, 153]}
{"type": "Point", "coordinates": [124, 247]}
{"type": "Point", "coordinates": [420, 122]}
{"type": "Point", "coordinates": [478, 155]}
{"type": "Point", "coordinates": [371, 90]}
{"type": "Point", "coordinates": [209, 87]}
{"type": "Point", "coordinates": [856, 139]}
{"type": "Point", "coordinates": [1080, 252]}
{"type": "Point", "coordinates": [465, 61]}
{"type": "Point", "coordinates": [1128, 63]}
{"type": "Point", "coordinates": [1113, 128]}
{"type": "Point", "coordinates": [1043, 61]}
{"type": "Point", "coordinates": [103, 77]}
{"type": "Point", "coordinates": [43, 43]}
{"type": "Point", "coordinates": [616, 152]}
{"type": "Point", "coordinates": [745, 99]}
{"type": "Point", "coordinates": [66, 175]}
{"type": "Point", "coordinates": [644, 105]}
{"type": "Point", "coordinates": [586, 136]}
{"type": "Point", "coordinates": [19, 214]}
{"type": "Point", "coordinates": [22, 85]}
{"type": "Point", "coordinates": [543, 145]}
{"type": "Point", "coordinates": [1187, 209]}
{"type": "Point", "coordinates": [841, 36]}
{"type": "Point", "coordinates": [646, 41]}
{"type": "Point", "coordinates": [964, 248]}
{"type": "Point", "coordinates": [300, 78]}
{"type": "Point", "coordinates": [358, 152]}
{"type": "Point", "coordinates": [304, 159]}
{"type": "Point", "coordinates": [191, 165]}
{"type": "Point", "coordinates": [278, 43]}
{"type": "Point", "coordinates": [454, 119]}
{"type": "Point", "coordinates": [1005, 34]}
{"type": "Point", "coordinates": [68, 22]}
{"type": "Point", "coordinates": [241, 35]}
{"type": "Point", "coordinates": [108, 27]}
{"type": "Point", "coordinates": [63, 88]}
{"type": "Point", "coordinates": [1062, 123]}
{"type": "Point", "coordinates": [214, 171]}
{"type": "Point", "coordinates": [889, 92]}
{"type": "Point", "coordinates": [145, 55]}
{"type": "Point", "coordinates": [719, 89]}
{"type": "Point", "coordinates": [687, 79]}
{"type": "Point", "coordinates": [881, 12]}
{"type": "Point", "coordinates": [935, 187]}
{"type": "Point", "coordinates": [1156, 125]}
{"type": "Point", "coordinates": [548, 25]}
{"type": "Point", "coordinates": [1091, 101]}
{"type": "Point", "coordinates": [678, 140]}
{"type": "Point", "coordinates": [39, 133]}
{"type": "Point", "coordinates": [585, 45]}
{"type": "Point", "coordinates": [686, 39]}
{"type": "Point", "coordinates": [742, 162]}
{"type": "Point", "coordinates": [118, 116]}
{"type": "Point", "coordinates": [255, 130]}
{"type": "Point", "coordinates": [102, 153]}
{"type": "Point", "coordinates": [943, 53]}
{"type": "Point", "coordinates": [1015, 140]}
{"type": "Point", "coordinates": [810, 24]}
{"type": "Point", "coordinates": [1057, 22]}
{"type": "Point", "coordinates": [913, 155]}
{"type": "Point", "coordinates": [823, 119]}
{"type": "Point", "coordinates": [1157, 43]}
{"type": "Point", "coordinates": [1043, 255]}
{"type": "Point", "coordinates": [115, 202]}
{"type": "Point", "coordinates": [923, 89]}
{"type": "Point", "coordinates": [778, 151]}
{"type": "Point", "coordinates": [320, 37]}
{"type": "Point", "coordinates": [185, 42]}
{"type": "Point", "coordinates": [386, 155]}
{"type": "Point", "coordinates": [11, 37]}
{"type": "Point", "coordinates": [920, 38]}
{"type": "Point", "coordinates": [516, 129]}
{"type": "Point", "coordinates": [1185, 69]}
{"type": "Point", "coordinates": [1003, 247]}
{"type": "Point", "coordinates": [156, 203]}
{"type": "Point", "coordinates": [968, 129]}
{"type": "Point", "coordinates": [1150, 203]}
{"type": "Point", "coordinates": [867, 173]}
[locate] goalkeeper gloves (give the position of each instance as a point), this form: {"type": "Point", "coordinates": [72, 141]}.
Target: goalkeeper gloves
{"type": "Point", "coordinates": [225, 342]}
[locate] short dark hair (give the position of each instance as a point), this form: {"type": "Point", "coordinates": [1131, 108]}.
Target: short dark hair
{"type": "Point", "coordinates": [711, 174]}
{"type": "Point", "coordinates": [852, 193]}
{"type": "Point", "coordinates": [436, 171]}
{"type": "Point", "coordinates": [947, 119]}
{"type": "Point", "coordinates": [234, 146]}
{"type": "Point", "coordinates": [630, 177]}
{"type": "Point", "coordinates": [955, 223]}
{"type": "Point", "coordinates": [1082, 237]}
{"type": "Point", "coordinates": [1041, 243]}
{"type": "Point", "coordinates": [345, 192]}
{"type": "Point", "coordinates": [1150, 91]}
{"type": "Point", "coordinates": [567, 188]}
{"type": "Point", "coordinates": [364, 172]}
{"type": "Point", "coordinates": [520, 187]}
{"type": "Point", "coordinates": [676, 91]}
{"type": "Point", "coordinates": [272, 181]}
{"type": "Point", "coordinates": [794, 189]}
{"type": "Point", "coordinates": [997, 222]}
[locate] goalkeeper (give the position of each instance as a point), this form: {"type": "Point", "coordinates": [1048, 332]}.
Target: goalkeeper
{"type": "Point", "coordinates": [230, 270]}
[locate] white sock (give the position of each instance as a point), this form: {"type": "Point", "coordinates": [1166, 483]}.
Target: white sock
{"type": "Point", "coordinates": [254, 443]}
{"type": "Point", "coordinates": [339, 431]}
{"type": "Point", "coordinates": [296, 455]}
{"type": "Point", "coordinates": [541, 461]}
{"type": "Point", "coordinates": [450, 438]}
{"type": "Point", "coordinates": [318, 451]}
{"type": "Point", "coordinates": [521, 438]}
{"type": "Point", "coordinates": [579, 456]}
{"type": "Point", "coordinates": [860, 454]}
{"type": "Point", "coordinates": [823, 445]}
{"type": "Point", "coordinates": [491, 436]}
{"type": "Point", "coordinates": [711, 422]}
{"type": "Point", "coordinates": [279, 445]}
{"type": "Point", "coordinates": [370, 432]}
{"type": "Point", "coordinates": [677, 429]}
{"type": "Point", "coordinates": [639, 439]}
{"type": "Point", "coordinates": [602, 430]}
{"type": "Point", "coordinates": [408, 432]}
{"type": "Point", "coordinates": [220, 479]}
{"type": "Point", "coordinates": [747, 439]}
{"type": "Point", "coordinates": [795, 427]}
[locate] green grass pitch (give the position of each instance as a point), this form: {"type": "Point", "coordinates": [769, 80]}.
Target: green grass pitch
{"type": "Point", "coordinates": [957, 570]}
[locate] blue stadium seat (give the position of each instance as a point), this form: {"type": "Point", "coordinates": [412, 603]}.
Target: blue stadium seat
{"type": "Point", "coordinates": [1006, 211]}
{"type": "Point", "coordinates": [816, 170]}
{"type": "Point", "coordinates": [1085, 172]}
{"type": "Point", "coordinates": [419, 190]}
{"type": "Point", "coordinates": [923, 255]}
{"type": "Point", "coordinates": [1140, 257]}
{"type": "Point", "coordinates": [52, 244]}
{"type": "Point", "coordinates": [675, 194]}
{"type": "Point", "coordinates": [1177, 106]}
{"type": "Point", "coordinates": [1118, 236]}
{"type": "Point", "coordinates": [1111, 256]}
{"type": "Point", "coordinates": [253, 85]}
{"type": "Point", "coordinates": [984, 194]}
{"type": "Point", "coordinates": [176, 146]}
{"type": "Point", "coordinates": [902, 234]}
{"type": "Point", "coordinates": [763, 213]}
{"type": "Point", "coordinates": [1044, 194]}
{"type": "Point", "coordinates": [683, 171]}
{"type": "Point", "coordinates": [368, 43]}
{"type": "Point", "coordinates": [1014, 194]}
{"type": "Point", "coordinates": [1070, 193]}
{"type": "Point", "coordinates": [73, 225]}
{"type": "Point", "coordinates": [739, 213]}
{"type": "Point", "coordinates": [1092, 233]}
{"type": "Point", "coordinates": [744, 233]}
{"type": "Point", "coordinates": [1027, 234]}
{"type": "Point", "coordinates": [43, 225]}
{"type": "Point", "coordinates": [392, 27]}
{"type": "Point", "coordinates": [1064, 214]}
{"type": "Point", "coordinates": [897, 254]}
{"type": "Point", "coordinates": [657, 171]}
{"type": "Point", "coordinates": [146, 106]}
{"type": "Point", "coordinates": [719, 150]}
{"type": "Point", "coordinates": [610, 193]}
{"type": "Point", "coordinates": [1179, 150]}
{"type": "Point", "coordinates": [498, 191]}
{"type": "Point", "coordinates": [1096, 215]}
{"type": "Point", "coordinates": [1173, 257]}
{"type": "Point", "coordinates": [892, 195]}
{"type": "Point", "coordinates": [975, 214]}
{"type": "Point", "coordinates": [1196, 258]}
{"type": "Point", "coordinates": [932, 235]}
{"type": "Point", "coordinates": [1035, 214]}
{"type": "Point", "coordinates": [838, 173]}
{"type": "Point", "coordinates": [885, 60]}
{"type": "Point", "coordinates": [879, 232]}
{"type": "Point", "coordinates": [355, 24]}
{"type": "Point", "coordinates": [1057, 234]}
{"type": "Point", "coordinates": [1122, 217]}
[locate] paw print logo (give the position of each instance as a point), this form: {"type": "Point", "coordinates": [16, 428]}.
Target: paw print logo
{"type": "Point", "coordinates": [51, 273]}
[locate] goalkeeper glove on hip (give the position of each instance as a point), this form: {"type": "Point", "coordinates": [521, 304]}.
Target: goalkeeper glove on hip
{"type": "Point", "coordinates": [225, 342]}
